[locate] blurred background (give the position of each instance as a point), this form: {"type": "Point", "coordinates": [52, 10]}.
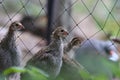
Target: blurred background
{"type": "Point", "coordinates": [90, 19]}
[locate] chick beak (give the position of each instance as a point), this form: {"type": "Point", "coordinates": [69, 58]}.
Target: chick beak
{"type": "Point", "coordinates": [21, 27]}
{"type": "Point", "coordinates": [113, 56]}
{"type": "Point", "coordinates": [66, 33]}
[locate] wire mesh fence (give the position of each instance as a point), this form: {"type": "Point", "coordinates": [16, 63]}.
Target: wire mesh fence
{"type": "Point", "coordinates": [91, 19]}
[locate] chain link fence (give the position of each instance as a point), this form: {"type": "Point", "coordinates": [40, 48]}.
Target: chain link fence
{"type": "Point", "coordinates": [90, 19]}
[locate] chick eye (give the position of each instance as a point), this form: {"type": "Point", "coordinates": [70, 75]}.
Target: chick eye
{"type": "Point", "coordinates": [62, 30]}
{"type": "Point", "coordinates": [16, 25]}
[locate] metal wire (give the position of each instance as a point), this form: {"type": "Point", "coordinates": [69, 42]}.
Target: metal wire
{"type": "Point", "coordinates": [90, 14]}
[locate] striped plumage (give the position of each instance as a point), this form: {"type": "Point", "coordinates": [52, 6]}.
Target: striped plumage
{"type": "Point", "coordinates": [9, 55]}
{"type": "Point", "coordinates": [49, 59]}
{"type": "Point", "coordinates": [71, 66]}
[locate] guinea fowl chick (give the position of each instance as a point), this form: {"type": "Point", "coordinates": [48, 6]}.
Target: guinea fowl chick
{"type": "Point", "coordinates": [70, 66]}
{"type": "Point", "coordinates": [49, 59]}
{"type": "Point", "coordinates": [72, 46]}
{"type": "Point", "coordinates": [9, 56]}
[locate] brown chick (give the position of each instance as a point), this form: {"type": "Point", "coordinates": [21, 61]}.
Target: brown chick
{"type": "Point", "coordinates": [70, 68]}
{"type": "Point", "coordinates": [49, 59]}
{"type": "Point", "coordinates": [72, 46]}
{"type": "Point", "coordinates": [9, 54]}
{"type": "Point", "coordinates": [68, 49]}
